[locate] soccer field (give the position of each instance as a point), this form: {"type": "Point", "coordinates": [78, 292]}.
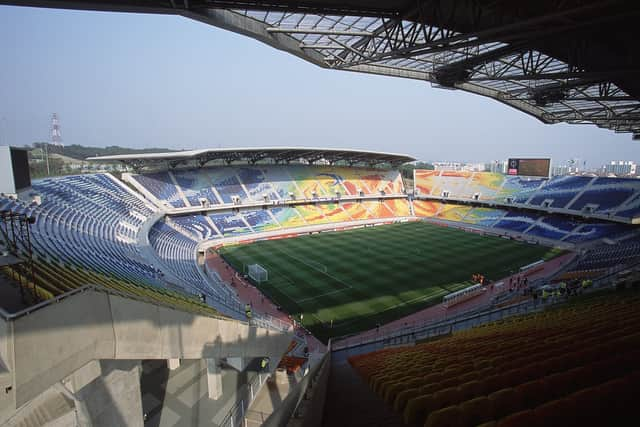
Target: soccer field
{"type": "Point", "coordinates": [348, 281]}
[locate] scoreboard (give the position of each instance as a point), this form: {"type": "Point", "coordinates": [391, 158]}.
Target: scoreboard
{"type": "Point", "coordinates": [529, 167]}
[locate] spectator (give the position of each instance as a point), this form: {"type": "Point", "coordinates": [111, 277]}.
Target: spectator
{"type": "Point", "coordinates": [264, 364]}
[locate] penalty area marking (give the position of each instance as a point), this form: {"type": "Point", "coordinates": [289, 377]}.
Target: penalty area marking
{"type": "Point", "coordinates": [342, 282]}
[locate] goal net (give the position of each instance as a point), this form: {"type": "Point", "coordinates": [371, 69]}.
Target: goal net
{"type": "Point", "coordinates": [258, 273]}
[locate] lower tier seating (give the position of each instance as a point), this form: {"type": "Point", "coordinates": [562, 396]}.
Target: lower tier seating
{"type": "Point", "coordinates": [51, 279]}
{"type": "Point", "coordinates": [553, 364]}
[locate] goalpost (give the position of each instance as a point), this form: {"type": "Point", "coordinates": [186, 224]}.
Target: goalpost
{"type": "Point", "coordinates": [258, 273]}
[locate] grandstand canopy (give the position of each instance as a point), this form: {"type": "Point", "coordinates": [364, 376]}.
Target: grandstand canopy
{"type": "Point", "coordinates": [253, 155]}
{"type": "Point", "coordinates": [571, 61]}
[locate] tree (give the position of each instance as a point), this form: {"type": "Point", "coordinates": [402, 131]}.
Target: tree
{"type": "Point", "coordinates": [407, 169]}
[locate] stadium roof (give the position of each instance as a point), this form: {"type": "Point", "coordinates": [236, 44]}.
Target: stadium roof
{"type": "Point", "coordinates": [572, 61]}
{"type": "Point", "coordinates": [253, 155]}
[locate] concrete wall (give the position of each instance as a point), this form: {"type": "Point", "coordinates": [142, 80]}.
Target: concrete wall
{"type": "Point", "coordinates": [113, 399]}
{"type": "Point", "coordinates": [6, 347]}
{"type": "Point", "coordinates": [57, 340]}
{"type": "Point", "coordinates": [54, 342]}
{"type": "Point", "coordinates": [7, 391]}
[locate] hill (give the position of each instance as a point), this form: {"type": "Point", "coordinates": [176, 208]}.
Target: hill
{"type": "Point", "coordinates": [81, 152]}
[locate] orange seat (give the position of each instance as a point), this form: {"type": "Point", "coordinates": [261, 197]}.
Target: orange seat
{"type": "Point", "coordinates": [403, 397]}
{"type": "Point", "coordinates": [476, 411]}
{"type": "Point", "coordinates": [445, 417]}
{"type": "Point", "coordinates": [470, 389]}
{"type": "Point", "coordinates": [419, 408]}
{"type": "Point", "coordinates": [559, 412]}
{"type": "Point", "coordinates": [533, 393]}
{"type": "Point", "coordinates": [494, 383]}
{"type": "Point", "coordinates": [559, 384]}
{"type": "Point", "coordinates": [505, 402]}
{"type": "Point", "coordinates": [524, 418]}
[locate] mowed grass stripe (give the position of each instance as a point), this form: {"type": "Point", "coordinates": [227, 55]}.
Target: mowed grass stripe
{"type": "Point", "coordinates": [376, 274]}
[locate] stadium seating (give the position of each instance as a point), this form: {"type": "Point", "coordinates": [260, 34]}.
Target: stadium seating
{"type": "Point", "coordinates": [52, 279]}
{"type": "Point", "coordinates": [90, 221]}
{"type": "Point", "coordinates": [530, 223]}
{"type": "Point", "coordinates": [606, 256]}
{"type": "Point", "coordinates": [178, 251]}
{"type": "Point", "coordinates": [226, 224]}
{"type": "Point", "coordinates": [611, 197]}
{"type": "Point", "coordinates": [93, 222]}
{"type": "Point", "coordinates": [183, 187]}
{"type": "Point", "coordinates": [161, 186]}
{"type": "Point", "coordinates": [560, 191]}
{"type": "Point", "coordinates": [551, 366]}
{"type": "Point", "coordinates": [85, 232]}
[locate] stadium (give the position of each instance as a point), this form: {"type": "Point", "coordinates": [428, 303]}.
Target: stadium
{"type": "Point", "coordinates": [313, 286]}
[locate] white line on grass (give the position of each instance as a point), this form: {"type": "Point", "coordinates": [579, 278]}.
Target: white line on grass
{"type": "Point", "coordinates": [322, 295]}
{"type": "Point", "coordinates": [348, 286]}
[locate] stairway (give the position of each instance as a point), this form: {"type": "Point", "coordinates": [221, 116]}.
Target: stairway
{"type": "Point", "coordinates": [350, 401]}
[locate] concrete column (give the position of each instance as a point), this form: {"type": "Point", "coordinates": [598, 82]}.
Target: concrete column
{"type": "Point", "coordinates": [214, 379]}
{"type": "Point", "coordinates": [173, 364]}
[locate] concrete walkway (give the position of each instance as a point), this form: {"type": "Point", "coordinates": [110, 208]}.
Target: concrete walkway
{"type": "Point", "coordinates": [351, 402]}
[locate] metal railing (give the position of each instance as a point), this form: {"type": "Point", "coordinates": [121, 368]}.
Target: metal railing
{"type": "Point", "coordinates": [240, 415]}
{"type": "Point", "coordinates": [262, 321]}
{"type": "Point", "coordinates": [460, 321]}
{"type": "Point", "coordinates": [236, 414]}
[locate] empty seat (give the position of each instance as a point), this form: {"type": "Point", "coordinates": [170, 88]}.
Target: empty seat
{"type": "Point", "coordinates": [505, 402]}
{"type": "Point", "coordinates": [450, 416]}
{"type": "Point", "coordinates": [533, 393]}
{"type": "Point", "coordinates": [559, 384]}
{"type": "Point", "coordinates": [476, 411]}
{"type": "Point", "coordinates": [419, 408]}
{"type": "Point", "coordinates": [557, 412]}
{"type": "Point", "coordinates": [526, 418]}
{"type": "Point", "coordinates": [470, 390]}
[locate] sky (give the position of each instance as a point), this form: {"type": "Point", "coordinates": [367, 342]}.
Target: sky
{"type": "Point", "coordinates": [139, 80]}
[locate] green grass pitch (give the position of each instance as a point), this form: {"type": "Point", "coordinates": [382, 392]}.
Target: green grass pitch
{"type": "Point", "coordinates": [348, 281]}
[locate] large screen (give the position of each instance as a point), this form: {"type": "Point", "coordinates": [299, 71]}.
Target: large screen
{"type": "Point", "coordinates": [20, 166]}
{"type": "Point", "coordinates": [529, 167]}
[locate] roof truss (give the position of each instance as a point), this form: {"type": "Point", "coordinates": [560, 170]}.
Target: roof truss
{"type": "Point", "coordinates": [570, 61]}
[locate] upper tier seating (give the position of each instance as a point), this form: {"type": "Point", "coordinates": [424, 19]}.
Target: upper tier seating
{"type": "Point", "coordinates": [225, 224]}
{"type": "Point", "coordinates": [612, 197]}
{"type": "Point", "coordinates": [89, 221]}
{"type": "Point", "coordinates": [92, 223]}
{"type": "Point", "coordinates": [549, 226]}
{"type": "Point", "coordinates": [574, 365]}
{"type": "Point", "coordinates": [161, 186]}
{"type": "Point", "coordinates": [220, 185]}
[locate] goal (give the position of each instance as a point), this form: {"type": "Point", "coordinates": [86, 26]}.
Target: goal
{"type": "Point", "coordinates": [257, 273]}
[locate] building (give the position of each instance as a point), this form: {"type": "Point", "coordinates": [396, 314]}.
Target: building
{"type": "Point", "coordinates": [499, 166]}
{"type": "Point", "coordinates": [620, 168]}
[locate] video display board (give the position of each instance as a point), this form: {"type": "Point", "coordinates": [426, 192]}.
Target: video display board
{"type": "Point", "coordinates": [529, 167]}
{"type": "Point", "coordinates": [20, 166]}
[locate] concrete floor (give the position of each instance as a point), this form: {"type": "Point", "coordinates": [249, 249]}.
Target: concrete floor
{"type": "Point", "coordinates": [180, 397]}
